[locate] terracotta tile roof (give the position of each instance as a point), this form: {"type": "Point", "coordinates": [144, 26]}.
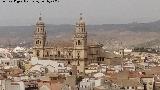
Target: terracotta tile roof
{"type": "Point", "coordinates": [153, 70]}
{"type": "Point", "coordinates": [127, 82]}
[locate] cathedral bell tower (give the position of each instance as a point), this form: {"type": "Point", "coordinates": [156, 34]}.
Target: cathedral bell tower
{"type": "Point", "coordinates": [80, 44]}
{"type": "Point", "coordinates": [39, 39]}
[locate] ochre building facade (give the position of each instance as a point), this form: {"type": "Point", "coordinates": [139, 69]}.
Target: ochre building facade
{"type": "Point", "coordinates": [79, 53]}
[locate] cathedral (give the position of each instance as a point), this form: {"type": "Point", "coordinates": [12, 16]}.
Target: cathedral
{"type": "Point", "coordinates": [79, 53]}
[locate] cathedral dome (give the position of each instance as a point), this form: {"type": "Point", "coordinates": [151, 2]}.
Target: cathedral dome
{"type": "Point", "coordinates": [40, 22]}
{"type": "Point", "coordinates": [80, 21]}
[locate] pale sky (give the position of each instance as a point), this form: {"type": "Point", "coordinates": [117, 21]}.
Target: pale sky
{"type": "Point", "coordinates": [67, 12]}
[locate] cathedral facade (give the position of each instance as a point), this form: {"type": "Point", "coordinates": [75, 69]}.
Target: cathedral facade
{"type": "Point", "coordinates": [79, 53]}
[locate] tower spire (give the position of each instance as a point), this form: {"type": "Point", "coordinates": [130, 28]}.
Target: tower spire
{"type": "Point", "coordinates": [40, 17]}
{"type": "Point", "coordinates": [81, 16]}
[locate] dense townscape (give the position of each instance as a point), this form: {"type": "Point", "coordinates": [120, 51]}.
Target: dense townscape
{"type": "Point", "coordinates": [79, 65]}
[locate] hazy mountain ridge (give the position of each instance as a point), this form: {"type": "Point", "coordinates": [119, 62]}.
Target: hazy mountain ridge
{"type": "Point", "coordinates": [111, 35]}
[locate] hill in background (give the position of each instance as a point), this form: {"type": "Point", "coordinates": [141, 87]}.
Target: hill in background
{"type": "Point", "coordinates": [113, 36]}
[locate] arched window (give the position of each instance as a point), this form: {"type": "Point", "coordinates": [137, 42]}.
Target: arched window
{"type": "Point", "coordinates": [47, 54]}
{"type": "Point", "coordinates": [69, 54]}
{"type": "Point", "coordinates": [59, 53]}
{"type": "Point", "coordinates": [69, 62]}
{"type": "Point", "coordinates": [38, 42]}
{"type": "Point", "coordinates": [38, 53]}
{"type": "Point", "coordinates": [38, 29]}
{"type": "Point", "coordinates": [78, 54]}
{"type": "Point", "coordinates": [79, 42]}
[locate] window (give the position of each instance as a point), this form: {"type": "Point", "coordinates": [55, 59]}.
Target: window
{"type": "Point", "coordinates": [69, 54]}
{"type": "Point", "coordinates": [102, 59]}
{"type": "Point", "coordinates": [59, 53]}
{"type": "Point", "coordinates": [79, 42]}
{"type": "Point", "coordinates": [59, 65]}
{"type": "Point", "coordinates": [38, 52]}
{"type": "Point", "coordinates": [47, 53]}
{"type": "Point", "coordinates": [38, 29]}
{"type": "Point", "coordinates": [78, 54]}
{"type": "Point", "coordinates": [69, 62]}
{"type": "Point", "coordinates": [37, 42]}
{"type": "Point", "coordinates": [7, 63]}
{"type": "Point", "coordinates": [150, 83]}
